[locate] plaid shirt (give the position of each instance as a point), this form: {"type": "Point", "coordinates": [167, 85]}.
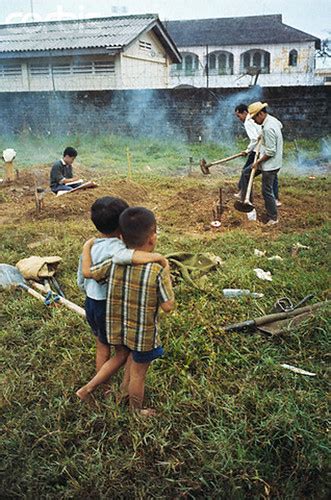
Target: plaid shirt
{"type": "Point", "coordinates": [133, 298]}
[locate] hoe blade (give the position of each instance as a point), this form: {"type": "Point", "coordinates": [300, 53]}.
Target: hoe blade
{"type": "Point", "coordinates": [243, 207]}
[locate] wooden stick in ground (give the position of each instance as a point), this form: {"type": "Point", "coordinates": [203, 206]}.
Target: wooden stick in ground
{"type": "Point", "coordinates": [128, 154]}
{"type": "Point", "coordinates": [9, 171]}
{"type": "Point", "coordinates": [220, 206]}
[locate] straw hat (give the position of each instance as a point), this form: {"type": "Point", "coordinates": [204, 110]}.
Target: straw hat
{"type": "Point", "coordinates": [256, 107]}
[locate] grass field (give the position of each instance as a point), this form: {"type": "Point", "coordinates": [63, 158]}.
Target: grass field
{"type": "Point", "coordinates": [232, 423]}
{"type": "Point", "coordinates": [109, 152]}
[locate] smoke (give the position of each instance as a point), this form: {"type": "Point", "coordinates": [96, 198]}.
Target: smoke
{"type": "Point", "coordinates": [144, 114]}
{"type": "Point", "coordinates": [181, 117]}
{"type": "Point", "coordinates": [222, 126]}
{"type": "Point", "coordinates": [306, 162]}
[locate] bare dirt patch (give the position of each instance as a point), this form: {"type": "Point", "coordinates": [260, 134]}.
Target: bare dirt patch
{"type": "Point", "coordinates": [180, 203]}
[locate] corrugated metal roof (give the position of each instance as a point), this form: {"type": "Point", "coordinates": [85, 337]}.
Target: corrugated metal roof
{"type": "Point", "coordinates": [235, 31]}
{"type": "Point", "coordinates": [113, 32]}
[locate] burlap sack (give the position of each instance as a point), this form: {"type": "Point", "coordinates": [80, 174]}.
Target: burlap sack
{"type": "Point", "coordinates": [35, 268]}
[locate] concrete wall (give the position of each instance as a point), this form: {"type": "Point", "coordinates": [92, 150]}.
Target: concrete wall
{"type": "Point", "coordinates": [175, 114]}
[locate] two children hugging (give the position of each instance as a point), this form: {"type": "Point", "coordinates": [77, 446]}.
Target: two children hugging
{"type": "Point", "coordinates": [123, 313]}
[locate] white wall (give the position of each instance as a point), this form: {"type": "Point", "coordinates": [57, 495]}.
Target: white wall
{"type": "Point", "coordinates": [281, 74]}
{"type": "Point", "coordinates": [144, 68]}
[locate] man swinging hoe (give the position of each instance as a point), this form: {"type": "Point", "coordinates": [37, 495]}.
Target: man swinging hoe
{"type": "Point", "coordinates": [268, 164]}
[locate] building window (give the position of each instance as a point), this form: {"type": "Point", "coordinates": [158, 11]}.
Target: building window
{"type": "Point", "coordinates": [10, 70]}
{"type": "Point", "coordinates": [39, 69]}
{"type": "Point", "coordinates": [212, 62]}
{"type": "Point", "coordinates": [257, 60]}
{"type": "Point", "coordinates": [102, 67]}
{"type": "Point", "coordinates": [220, 63]}
{"type": "Point", "coordinates": [189, 65]}
{"type": "Point", "coordinates": [73, 68]}
{"type": "Point", "coordinates": [293, 58]}
{"type": "Point", "coordinates": [82, 68]}
{"type": "Point", "coordinates": [62, 69]}
{"type": "Point", "coordinates": [145, 45]}
{"type": "Point", "coordinates": [254, 60]}
{"type": "Point", "coordinates": [247, 60]}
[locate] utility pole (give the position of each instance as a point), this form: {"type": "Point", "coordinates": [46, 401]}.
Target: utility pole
{"type": "Point", "coordinates": [31, 9]}
{"type": "Point", "coordinates": [207, 67]}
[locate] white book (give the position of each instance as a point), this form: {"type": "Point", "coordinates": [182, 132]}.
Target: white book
{"type": "Point", "coordinates": [74, 182]}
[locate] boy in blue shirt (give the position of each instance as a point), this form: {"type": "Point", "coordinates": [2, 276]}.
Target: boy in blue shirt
{"type": "Point", "coordinates": [105, 213]}
{"type": "Point", "coordinates": [135, 294]}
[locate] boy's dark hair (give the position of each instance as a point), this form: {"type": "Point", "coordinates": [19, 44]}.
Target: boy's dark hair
{"type": "Point", "coordinates": [70, 152]}
{"type": "Point", "coordinates": [241, 108]}
{"type": "Point", "coordinates": [105, 213]}
{"type": "Point", "coordinates": [136, 225]}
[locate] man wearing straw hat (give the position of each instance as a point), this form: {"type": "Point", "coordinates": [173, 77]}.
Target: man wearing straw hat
{"type": "Point", "coordinates": [253, 131]}
{"type": "Point", "coordinates": [271, 159]}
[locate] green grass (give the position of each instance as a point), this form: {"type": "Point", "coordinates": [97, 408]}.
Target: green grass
{"type": "Point", "coordinates": [109, 152]}
{"type": "Point", "coordinates": [231, 422]}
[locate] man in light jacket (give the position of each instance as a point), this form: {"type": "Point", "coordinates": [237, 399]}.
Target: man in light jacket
{"type": "Point", "coordinates": [271, 160]}
{"type": "Point", "coordinates": [253, 131]}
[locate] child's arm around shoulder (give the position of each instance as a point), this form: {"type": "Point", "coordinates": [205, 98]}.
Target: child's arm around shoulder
{"type": "Point", "coordinates": [166, 293]}
{"type": "Point", "coordinates": [140, 257]}
{"type": "Point", "coordinates": [123, 256]}
{"type": "Point", "coordinates": [86, 258]}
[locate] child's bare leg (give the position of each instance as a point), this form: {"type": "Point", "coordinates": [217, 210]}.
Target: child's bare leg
{"type": "Point", "coordinates": [106, 371]}
{"type": "Point", "coordinates": [126, 378]}
{"type": "Point", "coordinates": [137, 387]}
{"type": "Point", "coordinates": [102, 354]}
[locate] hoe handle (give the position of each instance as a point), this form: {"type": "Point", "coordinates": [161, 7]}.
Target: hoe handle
{"type": "Point", "coordinates": [251, 177]}
{"type": "Point", "coordinates": [224, 160]}
{"type": "Point", "coordinates": [34, 294]}
{"type": "Point", "coordinates": [67, 303]}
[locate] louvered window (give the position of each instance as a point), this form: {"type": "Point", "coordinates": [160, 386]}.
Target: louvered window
{"type": "Point", "coordinates": [40, 69]}
{"type": "Point", "coordinates": [104, 67]}
{"type": "Point", "coordinates": [82, 67]}
{"type": "Point", "coordinates": [61, 69]}
{"type": "Point", "coordinates": [10, 70]}
{"type": "Point", "coordinates": [145, 45]}
{"type": "Point", "coordinates": [73, 68]}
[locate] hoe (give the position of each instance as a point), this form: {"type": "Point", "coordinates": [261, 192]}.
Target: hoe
{"type": "Point", "coordinates": [246, 205]}
{"type": "Point", "coordinates": [205, 167]}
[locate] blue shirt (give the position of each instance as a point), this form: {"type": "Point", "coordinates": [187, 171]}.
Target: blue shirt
{"type": "Point", "coordinates": [102, 249]}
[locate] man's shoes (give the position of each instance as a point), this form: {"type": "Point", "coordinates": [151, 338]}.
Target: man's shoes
{"type": "Point", "coordinates": [238, 195]}
{"type": "Point", "coordinates": [272, 222]}
{"type": "Point", "coordinates": [278, 203]}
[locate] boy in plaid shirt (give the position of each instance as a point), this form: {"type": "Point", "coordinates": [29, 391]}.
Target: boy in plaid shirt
{"type": "Point", "coordinates": [134, 296]}
{"type": "Point", "coordinates": [105, 214]}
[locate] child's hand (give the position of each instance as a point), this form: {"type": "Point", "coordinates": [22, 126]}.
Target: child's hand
{"type": "Point", "coordinates": [164, 262]}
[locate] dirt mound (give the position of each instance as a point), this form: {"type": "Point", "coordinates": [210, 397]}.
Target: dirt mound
{"type": "Point", "coordinates": [17, 199]}
{"type": "Point", "coordinates": [178, 203]}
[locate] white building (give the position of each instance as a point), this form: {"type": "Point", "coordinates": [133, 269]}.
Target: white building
{"type": "Point", "coordinates": [239, 51]}
{"type": "Point", "coordinates": [126, 52]}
